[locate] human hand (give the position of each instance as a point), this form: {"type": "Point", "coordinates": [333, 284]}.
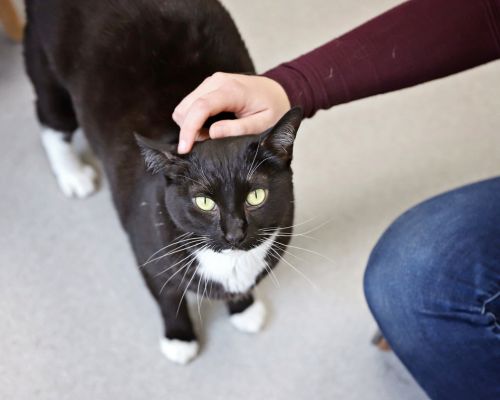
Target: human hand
{"type": "Point", "coordinates": [258, 103]}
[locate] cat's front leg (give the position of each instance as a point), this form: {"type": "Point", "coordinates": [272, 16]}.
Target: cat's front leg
{"type": "Point", "coordinates": [179, 343]}
{"type": "Point", "coordinates": [247, 314]}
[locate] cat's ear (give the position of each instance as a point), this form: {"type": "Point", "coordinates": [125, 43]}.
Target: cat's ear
{"type": "Point", "coordinates": [161, 157]}
{"type": "Point", "coordinates": [280, 138]}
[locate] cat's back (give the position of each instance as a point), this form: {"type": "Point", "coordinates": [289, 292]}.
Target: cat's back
{"type": "Point", "coordinates": [164, 40]}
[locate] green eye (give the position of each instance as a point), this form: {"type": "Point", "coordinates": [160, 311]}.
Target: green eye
{"type": "Point", "coordinates": [256, 197]}
{"type": "Point", "coordinates": [204, 203]}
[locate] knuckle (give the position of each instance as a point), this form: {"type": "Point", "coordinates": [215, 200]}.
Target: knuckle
{"type": "Point", "coordinates": [234, 87]}
{"type": "Point", "coordinates": [201, 106]}
{"type": "Point", "coordinates": [218, 76]}
{"type": "Point", "coordinates": [176, 115]}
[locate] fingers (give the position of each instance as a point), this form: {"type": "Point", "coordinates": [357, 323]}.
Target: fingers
{"type": "Point", "coordinates": [201, 109]}
{"type": "Point", "coordinates": [210, 84]}
{"type": "Point", "coordinates": [253, 124]}
{"type": "Point", "coordinates": [207, 86]}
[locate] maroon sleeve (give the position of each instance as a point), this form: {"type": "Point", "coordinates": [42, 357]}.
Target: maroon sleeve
{"type": "Point", "coordinates": [415, 42]}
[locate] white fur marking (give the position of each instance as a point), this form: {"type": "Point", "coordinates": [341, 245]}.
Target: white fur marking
{"type": "Point", "coordinates": [252, 319]}
{"type": "Point", "coordinates": [179, 351]}
{"type": "Point", "coordinates": [235, 270]}
{"type": "Point", "coordinates": [75, 178]}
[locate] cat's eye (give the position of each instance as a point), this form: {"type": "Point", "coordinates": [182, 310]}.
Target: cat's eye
{"type": "Point", "coordinates": [256, 197]}
{"type": "Point", "coordinates": [204, 203]}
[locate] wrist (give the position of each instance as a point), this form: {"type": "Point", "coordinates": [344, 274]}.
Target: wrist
{"type": "Point", "coordinates": [279, 93]}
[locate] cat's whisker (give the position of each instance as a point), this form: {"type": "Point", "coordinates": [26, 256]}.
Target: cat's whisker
{"type": "Point", "coordinates": [274, 278]}
{"type": "Point", "coordinates": [183, 247]}
{"type": "Point", "coordinates": [200, 278]}
{"type": "Point", "coordinates": [258, 165]}
{"type": "Point", "coordinates": [282, 247]}
{"type": "Point", "coordinates": [297, 234]}
{"type": "Point", "coordinates": [178, 250]}
{"type": "Point", "coordinates": [308, 251]}
{"type": "Point", "coordinates": [210, 291]}
{"type": "Point", "coordinates": [275, 244]}
{"type": "Point", "coordinates": [178, 262]}
{"type": "Point", "coordinates": [291, 235]}
{"type": "Point", "coordinates": [207, 245]}
{"type": "Point", "coordinates": [205, 290]}
{"type": "Point", "coordinates": [186, 265]}
{"type": "Point", "coordinates": [274, 228]}
{"type": "Point", "coordinates": [187, 287]}
{"type": "Point", "coordinates": [253, 161]}
{"type": "Point", "coordinates": [269, 269]}
{"type": "Point", "coordinates": [167, 246]}
{"type": "Point", "coordinates": [207, 181]}
{"type": "Point", "coordinates": [203, 297]}
{"type": "Point", "coordinates": [280, 258]}
{"type": "Point", "coordinates": [317, 227]}
{"type": "Point", "coordinates": [206, 282]}
{"type": "Point", "coordinates": [191, 179]}
{"type": "Point", "coordinates": [175, 273]}
{"type": "Point", "coordinates": [181, 242]}
{"type": "Point", "coordinates": [185, 273]}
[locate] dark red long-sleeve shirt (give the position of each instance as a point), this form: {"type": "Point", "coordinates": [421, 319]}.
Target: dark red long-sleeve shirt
{"type": "Point", "coordinates": [415, 42]}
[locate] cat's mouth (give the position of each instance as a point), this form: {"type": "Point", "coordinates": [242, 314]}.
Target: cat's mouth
{"type": "Point", "coordinates": [235, 248]}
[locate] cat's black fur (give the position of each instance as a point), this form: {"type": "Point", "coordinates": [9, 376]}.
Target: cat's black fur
{"type": "Point", "coordinates": [118, 68]}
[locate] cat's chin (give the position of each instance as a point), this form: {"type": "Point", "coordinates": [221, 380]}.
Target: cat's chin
{"type": "Point", "coordinates": [234, 270]}
{"type": "Point", "coordinates": [229, 250]}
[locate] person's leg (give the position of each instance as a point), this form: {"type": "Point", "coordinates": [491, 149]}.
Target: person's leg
{"type": "Point", "coordinates": [433, 285]}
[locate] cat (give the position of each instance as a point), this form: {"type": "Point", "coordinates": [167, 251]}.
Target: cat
{"type": "Point", "coordinates": [214, 221]}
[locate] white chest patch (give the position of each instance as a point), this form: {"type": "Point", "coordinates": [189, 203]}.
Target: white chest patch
{"type": "Point", "coordinates": [235, 270]}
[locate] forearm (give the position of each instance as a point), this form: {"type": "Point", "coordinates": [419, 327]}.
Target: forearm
{"type": "Point", "coordinates": [418, 41]}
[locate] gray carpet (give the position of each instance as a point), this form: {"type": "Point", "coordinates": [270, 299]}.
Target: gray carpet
{"type": "Point", "coordinates": [76, 321]}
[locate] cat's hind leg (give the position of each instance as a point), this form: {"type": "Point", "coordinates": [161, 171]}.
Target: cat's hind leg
{"type": "Point", "coordinates": [247, 314]}
{"type": "Point", "coordinates": [57, 117]}
{"type": "Point", "coordinates": [75, 178]}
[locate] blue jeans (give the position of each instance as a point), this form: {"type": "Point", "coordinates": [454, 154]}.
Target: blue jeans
{"type": "Point", "coordinates": [433, 285]}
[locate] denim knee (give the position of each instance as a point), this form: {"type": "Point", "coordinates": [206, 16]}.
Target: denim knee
{"type": "Point", "coordinates": [441, 255]}
{"type": "Point", "coordinates": [397, 274]}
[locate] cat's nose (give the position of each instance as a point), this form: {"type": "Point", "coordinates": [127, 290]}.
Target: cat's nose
{"type": "Point", "coordinates": [234, 229]}
{"type": "Point", "coordinates": [235, 237]}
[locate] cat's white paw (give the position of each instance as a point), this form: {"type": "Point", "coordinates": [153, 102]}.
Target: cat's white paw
{"type": "Point", "coordinates": [77, 182]}
{"type": "Point", "coordinates": [179, 351]}
{"type": "Point", "coordinates": [252, 319]}
{"type": "Point", "coordinates": [75, 178]}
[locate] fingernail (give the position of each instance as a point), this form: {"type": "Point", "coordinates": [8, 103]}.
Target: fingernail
{"type": "Point", "coordinates": [182, 147]}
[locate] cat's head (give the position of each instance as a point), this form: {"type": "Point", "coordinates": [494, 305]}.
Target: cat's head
{"type": "Point", "coordinates": [232, 191]}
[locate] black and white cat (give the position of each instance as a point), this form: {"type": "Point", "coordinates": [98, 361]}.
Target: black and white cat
{"type": "Point", "coordinates": [214, 221]}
